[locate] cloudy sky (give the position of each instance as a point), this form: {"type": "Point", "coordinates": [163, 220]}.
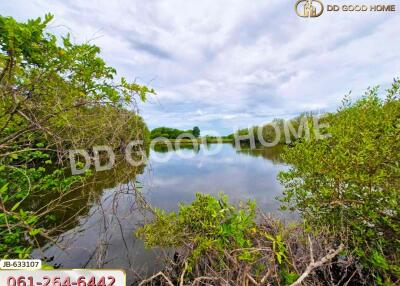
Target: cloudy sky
{"type": "Point", "coordinates": [231, 63]}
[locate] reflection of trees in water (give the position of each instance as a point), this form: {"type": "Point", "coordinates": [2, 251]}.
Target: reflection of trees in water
{"type": "Point", "coordinates": [163, 148]}
{"type": "Point", "coordinates": [61, 212]}
{"type": "Point", "coordinates": [94, 223]}
{"type": "Point", "coordinates": [112, 217]}
{"type": "Point", "coordinates": [270, 153]}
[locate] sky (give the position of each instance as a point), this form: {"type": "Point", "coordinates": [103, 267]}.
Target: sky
{"type": "Point", "coordinates": [228, 64]}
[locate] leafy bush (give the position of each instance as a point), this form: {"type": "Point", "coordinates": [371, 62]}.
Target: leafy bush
{"type": "Point", "coordinates": [215, 241]}
{"type": "Point", "coordinates": [172, 133]}
{"type": "Point", "coordinates": [350, 182]}
{"type": "Point", "coordinates": [21, 224]}
{"type": "Point", "coordinates": [207, 223]}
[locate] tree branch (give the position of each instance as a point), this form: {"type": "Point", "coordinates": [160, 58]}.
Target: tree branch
{"type": "Point", "coordinates": [319, 263]}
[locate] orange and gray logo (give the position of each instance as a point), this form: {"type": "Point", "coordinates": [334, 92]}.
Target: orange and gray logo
{"type": "Point", "coordinates": [309, 8]}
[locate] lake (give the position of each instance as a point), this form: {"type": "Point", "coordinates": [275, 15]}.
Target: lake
{"type": "Point", "coordinates": [99, 220]}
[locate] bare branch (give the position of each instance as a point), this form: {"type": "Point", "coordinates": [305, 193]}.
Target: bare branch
{"type": "Point", "coordinates": [319, 263]}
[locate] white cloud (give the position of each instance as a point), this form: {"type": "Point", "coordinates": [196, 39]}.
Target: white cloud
{"type": "Point", "coordinates": [230, 63]}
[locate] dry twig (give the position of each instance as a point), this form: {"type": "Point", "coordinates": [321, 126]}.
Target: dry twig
{"type": "Point", "coordinates": [313, 265]}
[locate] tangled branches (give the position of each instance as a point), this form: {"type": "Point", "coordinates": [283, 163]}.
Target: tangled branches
{"type": "Point", "coordinates": [281, 255]}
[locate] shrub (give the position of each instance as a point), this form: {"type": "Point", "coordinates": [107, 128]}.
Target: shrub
{"type": "Point", "coordinates": [55, 96]}
{"type": "Point", "coordinates": [350, 182]}
{"type": "Point", "coordinates": [225, 245]}
{"type": "Point", "coordinates": [207, 223]}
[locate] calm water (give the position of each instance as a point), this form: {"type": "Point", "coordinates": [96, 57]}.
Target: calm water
{"type": "Point", "coordinates": [100, 222]}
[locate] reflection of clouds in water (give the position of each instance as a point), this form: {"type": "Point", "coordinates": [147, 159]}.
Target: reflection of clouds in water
{"type": "Point", "coordinates": [239, 175]}
{"type": "Point", "coordinates": [164, 182]}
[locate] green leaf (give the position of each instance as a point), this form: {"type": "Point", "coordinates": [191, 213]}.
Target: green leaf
{"type": "Point", "coordinates": [15, 206]}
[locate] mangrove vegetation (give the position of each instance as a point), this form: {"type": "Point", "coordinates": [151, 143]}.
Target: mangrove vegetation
{"type": "Point", "coordinates": [342, 182]}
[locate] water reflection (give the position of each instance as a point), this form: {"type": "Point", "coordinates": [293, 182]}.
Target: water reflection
{"type": "Point", "coordinates": [77, 202]}
{"type": "Point", "coordinates": [272, 154]}
{"type": "Point", "coordinates": [110, 208]}
{"type": "Point", "coordinates": [230, 171]}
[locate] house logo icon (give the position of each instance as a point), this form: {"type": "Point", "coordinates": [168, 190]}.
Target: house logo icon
{"type": "Point", "coordinates": [307, 9]}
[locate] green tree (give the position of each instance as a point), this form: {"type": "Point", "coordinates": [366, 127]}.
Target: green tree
{"type": "Point", "coordinates": [196, 131]}
{"type": "Point", "coordinates": [55, 96]}
{"type": "Point", "coordinates": [350, 182]}
{"type": "Point", "coordinates": [169, 133]}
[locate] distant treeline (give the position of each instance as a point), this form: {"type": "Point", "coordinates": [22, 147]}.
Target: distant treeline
{"type": "Point", "coordinates": [279, 131]}
{"type": "Point", "coordinates": [173, 133]}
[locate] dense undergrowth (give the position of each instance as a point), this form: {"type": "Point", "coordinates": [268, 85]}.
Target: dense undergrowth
{"type": "Point", "coordinates": [54, 96]}
{"type": "Point", "coordinates": [217, 243]}
{"type": "Point", "coordinates": [350, 182]}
